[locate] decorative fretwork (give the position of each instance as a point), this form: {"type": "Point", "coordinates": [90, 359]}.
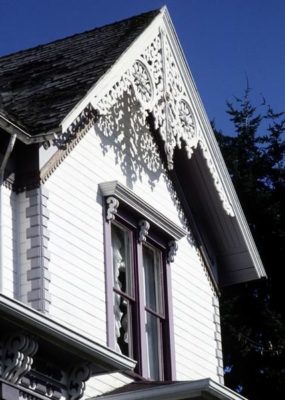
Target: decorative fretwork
{"type": "Point", "coordinates": [144, 228]}
{"type": "Point", "coordinates": [153, 84]}
{"type": "Point", "coordinates": [76, 382]}
{"type": "Point", "coordinates": [112, 208]}
{"type": "Point", "coordinates": [156, 82]}
{"type": "Point", "coordinates": [43, 386]}
{"type": "Point", "coordinates": [172, 250]}
{"type": "Point", "coordinates": [142, 83]}
{"type": "Point", "coordinates": [17, 357]}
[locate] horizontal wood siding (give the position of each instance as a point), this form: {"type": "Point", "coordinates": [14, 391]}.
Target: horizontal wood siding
{"type": "Point", "coordinates": [76, 245]}
{"type": "Point", "coordinates": [10, 236]}
{"type": "Point", "coordinates": [193, 316]}
{"type": "Point", "coordinates": [77, 284]}
{"type": "Point", "coordinates": [105, 383]}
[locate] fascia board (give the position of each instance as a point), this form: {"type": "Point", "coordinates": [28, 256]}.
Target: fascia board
{"type": "Point", "coordinates": [181, 390]}
{"type": "Point", "coordinates": [58, 333]}
{"type": "Point", "coordinates": [10, 127]}
{"type": "Point", "coordinates": [213, 145]}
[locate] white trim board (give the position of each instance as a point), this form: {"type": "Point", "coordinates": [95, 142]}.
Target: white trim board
{"type": "Point", "coordinates": [54, 331]}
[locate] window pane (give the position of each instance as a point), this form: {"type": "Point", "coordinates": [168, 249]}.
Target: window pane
{"type": "Point", "coordinates": [154, 346]}
{"type": "Point", "coordinates": [123, 325]}
{"type": "Point", "coordinates": [152, 278]}
{"type": "Point", "coordinates": [121, 259]}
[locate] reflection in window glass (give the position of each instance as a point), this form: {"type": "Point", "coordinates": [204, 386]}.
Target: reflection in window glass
{"type": "Point", "coordinates": [154, 348]}
{"type": "Point", "coordinates": [121, 259]}
{"type": "Point", "coordinates": [152, 278]}
{"type": "Point", "coordinates": [152, 269]}
{"type": "Point", "coordinates": [122, 282]}
{"type": "Point", "coordinates": [123, 325]}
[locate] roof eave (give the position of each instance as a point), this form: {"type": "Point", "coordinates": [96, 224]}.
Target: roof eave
{"type": "Point", "coordinates": [13, 129]}
{"type": "Point", "coordinates": [253, 255]}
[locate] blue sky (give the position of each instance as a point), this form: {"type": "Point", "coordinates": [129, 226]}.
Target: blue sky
{"type": "Point", "coordinates": [225, 41]}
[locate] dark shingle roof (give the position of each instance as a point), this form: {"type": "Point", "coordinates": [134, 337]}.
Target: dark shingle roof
{"type": "Point", "coordinates": [39, 86]}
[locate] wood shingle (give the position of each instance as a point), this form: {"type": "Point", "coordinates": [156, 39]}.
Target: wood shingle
{"type": "Point", "coordinates": [39, 86]}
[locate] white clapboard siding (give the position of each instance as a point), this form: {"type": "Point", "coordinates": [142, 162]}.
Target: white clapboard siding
{"type": "Point", "coordinates": [193, 317]}
{"type": "Point", "coordinates": [105, 383]}
{"type": "Point", "coordinates": [10, 239]}
{"type": "Point", "coordinates": [77, 284]}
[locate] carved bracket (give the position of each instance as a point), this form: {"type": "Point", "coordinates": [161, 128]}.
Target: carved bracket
{"type": "Point", "coordinates": [172, 250]}
{"type": "Point", "coordinates": [76, 381]}
{"type": "Point", "coordinates": [112, 208]}
{"type": "Point", "coordinates": [144, 228]}
{"type": "Point", "coordinates": [17, 357]}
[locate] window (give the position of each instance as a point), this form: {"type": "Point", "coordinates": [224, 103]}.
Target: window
{"type": "Point", "coordinates": [139, 247]}
{"type": "Point", "coordinates": [139, 278]}
{"type": "Point", "coordinates": [155, 319]}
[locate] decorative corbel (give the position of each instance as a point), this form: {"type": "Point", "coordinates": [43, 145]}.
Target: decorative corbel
{"type": "Point", "coordinates": [172, 250]}
{"type": "Point", "coordinates": [144, 228]}
{"type": "Point", "coordinates": [17, 357]}
{"type": "Point", "coordinates": [76, 381]}
{"type": "Point", "coordinates": [112, 208]}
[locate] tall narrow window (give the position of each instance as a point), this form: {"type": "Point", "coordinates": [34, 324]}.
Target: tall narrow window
{"type": "Point", "coordinates": [140, 244]}
{"type": "Point", "coordinates": [123, 287]}
{"type": "Point", "coordinates": [154, 310]}
{"type": "Point", "coordinates": [140, 322]}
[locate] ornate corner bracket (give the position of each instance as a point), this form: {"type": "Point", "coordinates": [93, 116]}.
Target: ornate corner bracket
{"type": "Point", "coordinates": [144, 228]}
{"type": "Point", "coordinates": [112, 208]}
{"type": "Point", "coordinates": [172, 251]}
{"type": "Point", "coordinates": [76, 381]}
{"type": "Point", "coordinates": [17, 357]}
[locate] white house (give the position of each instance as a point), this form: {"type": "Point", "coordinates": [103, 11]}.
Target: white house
{"type": "Point", "coordinates": [119, 221]}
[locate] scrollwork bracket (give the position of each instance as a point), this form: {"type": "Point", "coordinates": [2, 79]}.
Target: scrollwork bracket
{"type": "Point", "coordinates": [76, 381]}
{"type": "Point", "coordinates": [112, 208]}
{"type": "Point", "coordinates": [144, 228]}
{"type": "Point", "coordinates": [17, 357]}
{"type": "Point", "coordinates": [172, 250]}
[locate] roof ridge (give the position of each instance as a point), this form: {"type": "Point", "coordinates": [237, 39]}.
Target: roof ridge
{"type": "Point", "coordinates": [39, 46]}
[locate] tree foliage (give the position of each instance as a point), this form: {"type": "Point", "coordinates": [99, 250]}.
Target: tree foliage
{"type": "Point", "coordinates": [253, 314]}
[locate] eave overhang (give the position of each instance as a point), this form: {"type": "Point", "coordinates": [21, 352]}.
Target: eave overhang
{"type": "Point", "coordinates": [187, 131]}
{"type": "Point", "coordinates": [57, 336]}
{"type": "Point", "coordinates": [204, 389]}
{"type": "Point", "coordinates": [12, 128]}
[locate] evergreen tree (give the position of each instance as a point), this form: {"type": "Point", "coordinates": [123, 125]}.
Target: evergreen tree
{"type": "Point", "coordinates": [253, 314]}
